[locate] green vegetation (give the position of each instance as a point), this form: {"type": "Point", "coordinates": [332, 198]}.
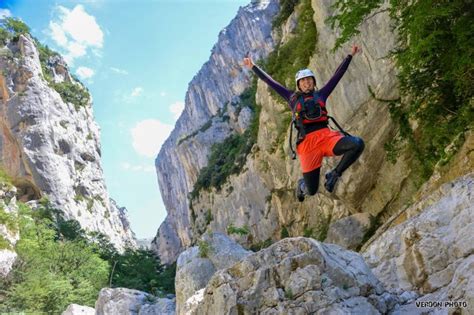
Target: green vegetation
{"type": "Point", "coordinates": [203, 128]}
{"type": "Point", "coordinates": [322, 228]}
{"type": "Point", "coordinates": [232, 229]}
{"type": "Point", "coordinates": [11, 29]}
{"type": "Point", "coordinates": [284, 232]}
{"type": "Point", "coordinates": [209, 216]}
{"type": "Point", "coordinates": [140, 269]}
{"type": "Point", "coordinates": [289, 294]}
{"type": "Point", "coordinates": [307, 232]}
{"type": "Point", "coordinates": [204, 249]}
{"type": "Point", "coordinates": [8, 219]}
{"type": "Point", "coordinates": [52, 273]}
{"type": "Point", "coordinates": [436, 72]}
{"type": "Point", "coordinates": [4, 36]}
{"type": "Point", "coordinates": [4, 243]}
{"type": "Point", "coordinates": [375, 223]}
{"type": "Point", "coordinates": [229, 156]}
{"type": "Point", "coordinates": [4, 177]}
{"type": "Point", "coordinates": [72, 92]}
{"type": "Point", "coordinates": [60, 264]}
{"type": "Point", "coordinates": [351, 14]}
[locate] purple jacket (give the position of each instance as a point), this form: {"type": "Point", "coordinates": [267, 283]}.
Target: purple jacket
{"type": "Point", "coordinates": [324, 92]}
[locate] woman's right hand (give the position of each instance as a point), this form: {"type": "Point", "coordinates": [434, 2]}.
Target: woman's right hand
{"type": "Point", "coordinates": [248, 63]}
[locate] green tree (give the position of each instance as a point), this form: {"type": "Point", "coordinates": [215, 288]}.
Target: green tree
{"type": "Point", "coordinates": [141, 269]}
{"type": "Point", "coordinates": [15, 26]}
{"type": "Point", "coordinates": [52, 273]}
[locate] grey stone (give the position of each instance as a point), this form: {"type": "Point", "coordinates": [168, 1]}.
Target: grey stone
{"type": "Point", "coordinates": [75, 309]}
{"type": "Point", "coordinates": [293, 276]}
{"type": "Point", "coordinates": [349, 232]}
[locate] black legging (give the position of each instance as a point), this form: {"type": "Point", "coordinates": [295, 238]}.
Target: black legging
{"type": "Point", "coordinates": [351, 147]}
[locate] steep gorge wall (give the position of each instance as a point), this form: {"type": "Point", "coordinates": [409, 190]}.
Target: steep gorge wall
{"type": "Point", "coordinates": [260, 200]}
{"type": "Point", "coordinates": [211, 93]}
{"type": "Point", "coordinates": [262, 196]}
{"type": "Point", "coordinates": [50, 147]}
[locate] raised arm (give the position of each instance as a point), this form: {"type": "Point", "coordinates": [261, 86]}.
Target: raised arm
{"type": "Point", "coordinates": [327, 89]}
{"type": "Point", "coordinates": [280, 89]}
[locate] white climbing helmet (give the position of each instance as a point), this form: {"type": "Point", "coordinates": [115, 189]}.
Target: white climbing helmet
{"type": "Point", "coordinates": [304, 74]}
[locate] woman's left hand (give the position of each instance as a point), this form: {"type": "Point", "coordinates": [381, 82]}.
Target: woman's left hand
{"type": "Point", "coordinates": [355, 50]}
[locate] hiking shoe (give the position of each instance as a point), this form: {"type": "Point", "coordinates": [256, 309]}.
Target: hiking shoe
{"type": "Point", "coordinates": [300, 190]}
{"type": "Point", "coordinates": [331, 180]}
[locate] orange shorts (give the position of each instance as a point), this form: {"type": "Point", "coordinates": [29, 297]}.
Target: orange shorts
{"type": "Point", "coordinates": [315, 145]}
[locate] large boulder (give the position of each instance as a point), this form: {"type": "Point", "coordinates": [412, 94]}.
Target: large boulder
{"type": "Point", "coordinates": [75, 309]}
{"type": "Point", "coordinates": [296, 276]}
{"type": "Point", "coordinates": [433, 250]}
{"type": "Point", "coordinates": [349, 232]}
{"type": "Point", "coordinates": [131, 302]}
{"type": "Point", "coordinates": [197, 265]}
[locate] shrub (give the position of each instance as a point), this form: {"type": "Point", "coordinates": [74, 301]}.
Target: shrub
{"type": "Point", "coordinates": [15, 26]}
{"type": "Point", "coordinates": [204, 249]}
{"type": "Point", "coordinates": [72, 92]}
{"type": "Point", "coordinates": [231, 229]}
{"type": "Point", "coordinates": [8, 219]}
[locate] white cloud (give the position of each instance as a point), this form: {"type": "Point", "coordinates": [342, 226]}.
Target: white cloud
{"type": "Point", "coordinates": [84, 72]}
{"type": "Point", "coordinates": [130, 97]}
{"type": "Point", "coordinates": [176, 108]}
{"type": "Point", "coordinates": [136, 92]}
{"type": "Point", "coordinates": [5, 13]}
{"type": "Point", "coordinates": [149, 135]}
{"type": "Point", "coordinates": [76, 31]}
{"type": "Point", "coordinates": [119, 71]}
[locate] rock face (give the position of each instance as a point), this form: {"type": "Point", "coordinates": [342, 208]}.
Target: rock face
{"type": "Point", "coordinates": [51, 147]}
{"type": "Point", "coordinates": [261, 196]}
{"type": "Point", "coordinates": [212, 93]}
{"type": "Point", "coordinates": [131, 302]}
{"type": "Point", "coordinates": [349, 232]}
{"type": "Point", "coordinates": [75, 309]}
{"type": "Point", "coordinates": [196, 265]}
{"type": "Point", "coordinates": [433, 250]}
{"type": "Point", "coordinates": [294, 276]}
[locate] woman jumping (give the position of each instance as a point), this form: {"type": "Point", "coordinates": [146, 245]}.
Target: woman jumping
{"type": "Point", "coordinates": [316, 140]}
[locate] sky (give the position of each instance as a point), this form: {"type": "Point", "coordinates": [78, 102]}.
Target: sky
{"type": "Point", "coordinates": [137, 58]}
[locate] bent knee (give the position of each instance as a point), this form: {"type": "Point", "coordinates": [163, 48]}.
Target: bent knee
{"type": "Point", "coordinates": [360, 144]}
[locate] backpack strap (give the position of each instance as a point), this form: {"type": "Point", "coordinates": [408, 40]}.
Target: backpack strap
{"type": "Point", "coordinates": [339, 127]}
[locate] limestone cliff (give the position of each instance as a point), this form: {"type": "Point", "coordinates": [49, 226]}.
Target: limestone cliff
{"type": "Point", "coordinates": [49, 144]}
{"type": "Point", "coordinates": [211, 96]}
{"type": "Point", "coordinates": [257, 206]}
{"type": "Point", "coordinates": [261, 197]}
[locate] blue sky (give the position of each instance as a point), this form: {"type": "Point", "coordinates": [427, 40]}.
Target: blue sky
{"type": "Point", "coordinates": [137, 59]}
